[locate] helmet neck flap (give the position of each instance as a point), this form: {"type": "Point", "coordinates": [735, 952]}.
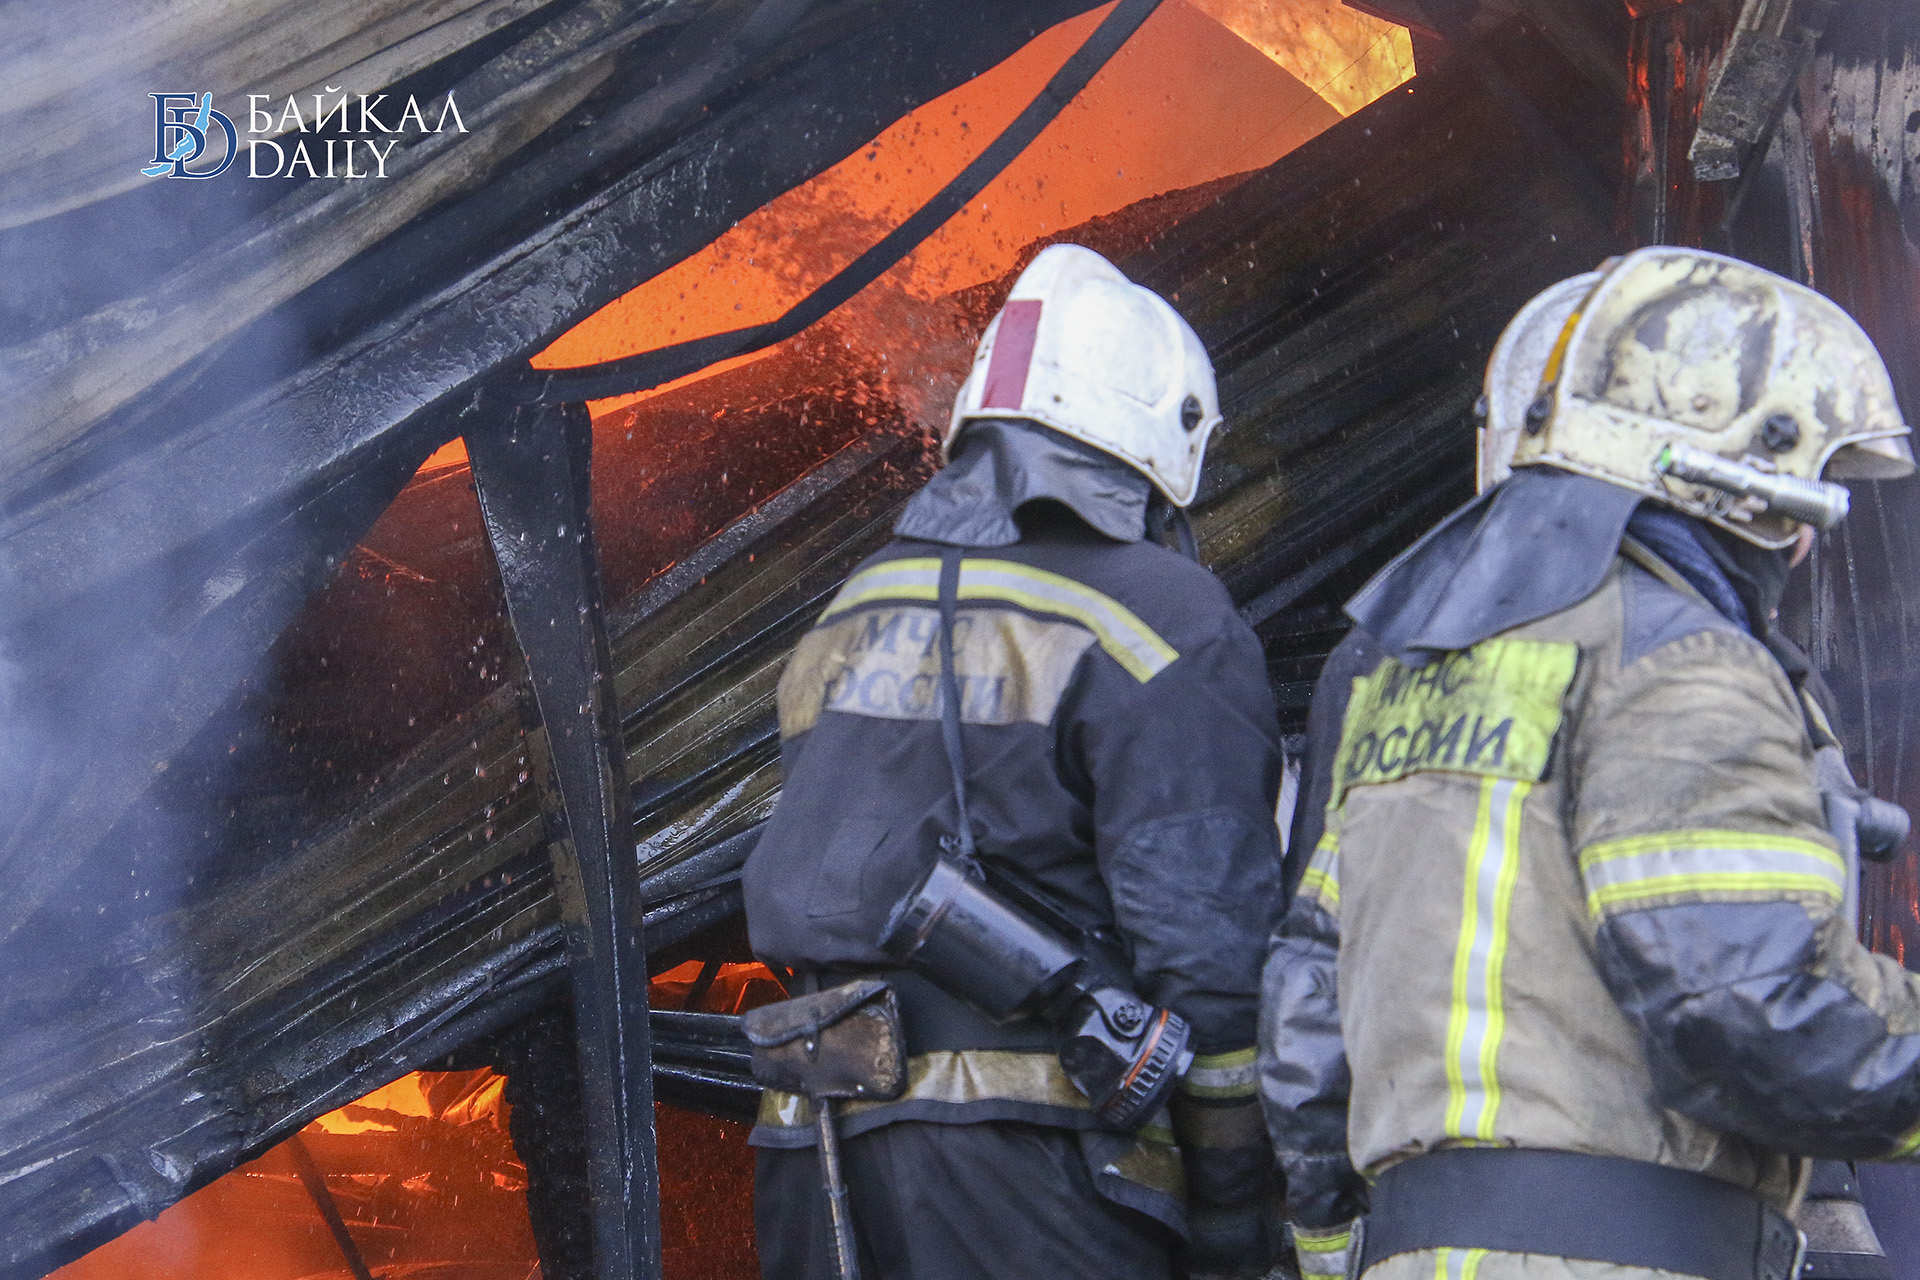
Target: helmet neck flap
{"type": "Point", "coordinates": [1000, 465]}
{"type": "Point", "coordinates": [1540, 542]}
{"type": "Point", "coordinates": [1532, 546]}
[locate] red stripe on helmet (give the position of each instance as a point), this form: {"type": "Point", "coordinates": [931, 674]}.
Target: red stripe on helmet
{"type": "Point", "coordinates": [1012, 355]}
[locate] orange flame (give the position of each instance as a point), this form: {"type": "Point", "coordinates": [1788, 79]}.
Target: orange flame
{"type": "Point", "coordinates": [1205, 89]}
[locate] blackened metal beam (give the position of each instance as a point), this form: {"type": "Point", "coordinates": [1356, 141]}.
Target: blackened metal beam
{"type": "Point", "coordinates": [316, 1184]}
{"type": "Point", "coordinates": [531, 468]}
{"type": "Point", "coordinates": [1752, 81]}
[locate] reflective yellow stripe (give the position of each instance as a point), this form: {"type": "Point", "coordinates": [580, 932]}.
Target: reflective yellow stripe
{"type": "Point", "coordinates": [1708, 882]}
{"type": "Point", "coordinates": [1322, 1240]}
{"type": "Point", "coordinates": [1692, 863]}
{"type": "Point", "coordinates": [915, 579]}
{"type": "Point", "coordinates": [1709, 842]}
{"type": "Point", "coordinates": [1477, 1019]}
{"type": "Point", "coordinates": [1457, 1264]}
{"type": "Point", "coordinates": [1908, 1144]}
{"type": "Point", "coordinates": [966, 1076]}
{"type": "Point", "coordinates": [1467, 1262]}
{"type": "Point", "coordinates": [1222, 1075]}
{"type": "Point", "coordinates": [1320, 882]}
{"type": "Point", "coordinates": [1131, 642]}
{"type": "Point", "coordinates": [1320, 885]}
{"type": "Point", "coordinates": [1497, 959]}
{"type": "Point", "coordinates": [1322, 1252]}
{"type": "Point", "coordinates": [1457, 1012]}
{"type": "Point", "coordinates": [957, 1076]}
{"type": "Point", "coordinates": [1120, 632]}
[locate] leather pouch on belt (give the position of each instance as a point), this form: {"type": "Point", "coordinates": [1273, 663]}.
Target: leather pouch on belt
{"type": "Point", "coordinates": [844, 1042]}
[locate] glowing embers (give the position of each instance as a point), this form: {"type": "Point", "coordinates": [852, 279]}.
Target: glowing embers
{"type": "Point", "coordinates": [426, 1182]}
{"type": "Point", "coordinates": [712, 987]}
{"type": "Point", "coordinates": [421, 1172]}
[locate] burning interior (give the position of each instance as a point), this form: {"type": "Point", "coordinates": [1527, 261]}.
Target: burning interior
{"type": "Point", "coordinates": [284, 812]}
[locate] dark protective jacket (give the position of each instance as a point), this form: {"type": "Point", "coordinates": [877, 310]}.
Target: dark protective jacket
{"type": "Point", "coordinates": [1577, 880]}
{"type": "Point", "coordinates": [1123, 754]}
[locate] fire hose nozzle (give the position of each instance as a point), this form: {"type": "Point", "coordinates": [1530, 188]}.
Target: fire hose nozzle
{"type": "Point", "coordinates": [1820, 503]}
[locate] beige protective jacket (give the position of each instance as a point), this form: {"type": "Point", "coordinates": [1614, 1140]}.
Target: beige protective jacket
{"type": "Point", "coordinates": [1582, 897]}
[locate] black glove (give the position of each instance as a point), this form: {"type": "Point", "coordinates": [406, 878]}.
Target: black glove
{"type": "Point", "coordinates": [1235, 1243]}
{"type": "Point", "coordinates": [1233, 1191]}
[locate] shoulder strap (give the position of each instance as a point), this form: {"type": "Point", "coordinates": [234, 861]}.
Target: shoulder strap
{"type": "Point", "coordinates": [1094, 937]}
{"type": "Point", "coordinates": [961, 845]}
{"type": "Point", "coordinates": [1636, 551]}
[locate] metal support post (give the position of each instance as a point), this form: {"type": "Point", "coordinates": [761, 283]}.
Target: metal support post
{"type": "Point", "coordinates": [531, 469]}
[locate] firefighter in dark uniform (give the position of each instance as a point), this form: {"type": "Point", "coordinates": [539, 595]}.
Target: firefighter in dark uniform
{"type": "Point", "coordinates": [1580, 842]}
{"type": "Point", "coordinates": [1122, 757]}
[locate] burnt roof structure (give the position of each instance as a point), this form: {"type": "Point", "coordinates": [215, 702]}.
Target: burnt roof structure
{"type": "Point", "coordinates": [225, 913]}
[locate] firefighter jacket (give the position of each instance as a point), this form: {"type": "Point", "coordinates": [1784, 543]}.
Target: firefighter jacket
{"type": "Point", "coordinates": [1123, 755]}
{"type": "Point", "coordinates": [1580, 892]}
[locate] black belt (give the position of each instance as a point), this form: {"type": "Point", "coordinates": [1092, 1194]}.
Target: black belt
{"type": "Point", "coordinates": [1566, 1205]}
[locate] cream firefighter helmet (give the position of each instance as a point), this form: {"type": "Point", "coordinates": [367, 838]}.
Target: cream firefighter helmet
{"type": "Point", "coordinates": [1515, 372]}
{"type": "Point", "coordinates": [1083, 350]}
{"type": "Point", "coordinates": [1719, 388]}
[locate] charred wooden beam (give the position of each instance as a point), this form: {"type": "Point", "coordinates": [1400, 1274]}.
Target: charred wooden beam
{"type": "Point", "coordinates": [650, 369]}
{"type": "Point", "coordinates": [1859, 222]}
{"type": "Point", "coordinates": [399, 932]}
{"type": "Point", "coordinates": [532, 470]}
{"type": "Point", "coordinates": [1671, 54]}
{"type": "Point", "coordinates": [1751, 82]}
{"type": "Point", "coordinates": [316, 1184]}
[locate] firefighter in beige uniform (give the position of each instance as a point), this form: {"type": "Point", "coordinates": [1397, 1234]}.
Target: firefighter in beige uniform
{"type": "Point", "coordinates": [1596, 991]}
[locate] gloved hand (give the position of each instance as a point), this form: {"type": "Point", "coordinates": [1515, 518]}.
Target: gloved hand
{"type": "Point", "coordinates": [1233, 1190]}
{"type": "Point", "coordinates": [1232, 1243]}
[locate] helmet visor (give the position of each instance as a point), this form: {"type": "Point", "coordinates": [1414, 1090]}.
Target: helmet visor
{"type": "Point", "coordinates": [1885, 457]}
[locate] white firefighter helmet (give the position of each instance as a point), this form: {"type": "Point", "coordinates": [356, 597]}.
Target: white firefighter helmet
{"type": "Point", "coordinates": [1718, 388]}
{"type": "Point", "coordinates": [1083, 350]}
